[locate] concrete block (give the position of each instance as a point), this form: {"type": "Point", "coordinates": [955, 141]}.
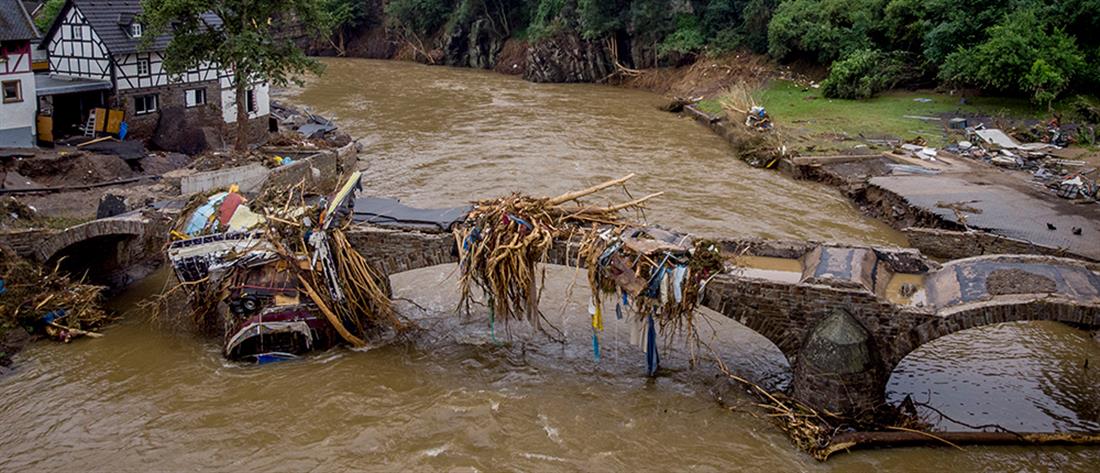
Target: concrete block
{"type": "Point", "coordinates": [249, 178]}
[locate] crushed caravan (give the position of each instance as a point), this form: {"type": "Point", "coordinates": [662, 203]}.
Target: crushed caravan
{"type": "Point", "coordinates": [273, 282]}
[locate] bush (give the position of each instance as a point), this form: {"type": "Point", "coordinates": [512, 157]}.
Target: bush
{"type": "Point", "coordinates": [864, 73]}
{"type": "Point", "coordinates": [687, 38]}
{"type": "Point", "coordinates": [546, 18]}
{"type": "Point", "coordinates": [824, 30]}
{"type": "Point", "coordinates": [1021, 55]}
{"type": "Point", "coordinates": [419, 17]}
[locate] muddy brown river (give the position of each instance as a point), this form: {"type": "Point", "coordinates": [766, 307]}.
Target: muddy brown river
{"type": "Point", "coordinates": [459, 398]}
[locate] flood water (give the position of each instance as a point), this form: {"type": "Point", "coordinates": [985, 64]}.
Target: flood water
{"type": "Point", "coordinates": [461, 398]}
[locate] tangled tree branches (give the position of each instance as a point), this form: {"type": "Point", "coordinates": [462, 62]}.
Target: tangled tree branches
{"type": "Point", "coordinates": [263, 278]}
{"type": "Point", "coordinates": [505, 239]}
{"type": "Point", "coordinates": [49, 303]}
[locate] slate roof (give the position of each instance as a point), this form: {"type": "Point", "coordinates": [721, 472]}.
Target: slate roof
{"type": "Point", "coordinates": [111, 20]}
{"type": "Point", "coordinates": [15, 22]}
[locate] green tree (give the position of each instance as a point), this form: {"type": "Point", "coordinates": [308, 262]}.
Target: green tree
{"type": "Point", "coordinates": [823, 30]}
{"type": "Point", "coordinates": [48, 13]}
{"type": "Point", "coordinates": [864, 73]}
{"type": "Point", "coordinates": [248, 42]}
{"type": "Point", "coordinates": [418, 17]}
{"type": "Point", "coordinates": [344, 16]}
{"type": "Point", "coordinates": [1008, 61]}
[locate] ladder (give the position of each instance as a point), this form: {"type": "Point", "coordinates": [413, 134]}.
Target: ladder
{"type": "Point", "coordinates": [89, 128]}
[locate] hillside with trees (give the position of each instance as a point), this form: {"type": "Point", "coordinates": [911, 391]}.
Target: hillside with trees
{"type": "Point", "coordinates": [1027, 48]}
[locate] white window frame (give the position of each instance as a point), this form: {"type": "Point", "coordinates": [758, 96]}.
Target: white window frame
{"type": "Point", "coordinates": [194, 97]}
{"type": "Point", "coordinates": [148, 68]}
{"type": "Point", "coordinates": [136, 30]}
{"type": "Point", "coordinates": [18, 91]}
{"type": "Point", "coordinates": [146, 104]}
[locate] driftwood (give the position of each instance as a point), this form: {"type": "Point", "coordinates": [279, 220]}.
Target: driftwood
{"type": "Point", "coordinates": [856, 440]}
{"type": "Point", "coordinates": [561, 199]}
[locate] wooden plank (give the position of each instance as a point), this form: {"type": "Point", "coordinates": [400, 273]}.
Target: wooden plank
{"type": "Point", "coordinates": [100, 119]}
{"type": "Point", "coordinates": [114, 121]}
{"type": "Point", "coordinates": [97, 140]}
{"type": "Point", "coordinates": [45, 128]}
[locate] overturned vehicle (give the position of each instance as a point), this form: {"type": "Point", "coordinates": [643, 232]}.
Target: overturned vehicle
{"type": "Point", "coordinates": [277, 277]}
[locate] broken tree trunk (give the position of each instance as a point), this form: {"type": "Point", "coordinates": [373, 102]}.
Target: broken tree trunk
{"type": "Point", "coordinates": [857, 440]}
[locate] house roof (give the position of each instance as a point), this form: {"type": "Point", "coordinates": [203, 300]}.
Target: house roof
{"type": "Point", "coordinates": [111, 20]}
{"type": "Point", "coordinates": [15, 22]}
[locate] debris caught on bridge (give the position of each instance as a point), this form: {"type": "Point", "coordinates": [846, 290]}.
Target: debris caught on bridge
{"type": "Point", "coordinates": [503, 240]}
{"type": "Point", "coordinates": [49, 304]}
{"type": "Point", "coordinates": [658, 274]}
{"type": "Point", "coordinates": [277, 276]}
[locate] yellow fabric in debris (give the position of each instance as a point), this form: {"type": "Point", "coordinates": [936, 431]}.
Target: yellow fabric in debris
{"type": "Point", "coordinates": [244, 219]}
{"type": "Point", "coordinates": [286, 300]}
{"type": "Point", "coordinates": [597, 319]}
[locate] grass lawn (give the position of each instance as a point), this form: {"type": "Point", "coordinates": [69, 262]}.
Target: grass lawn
{"type": "Point", "coordinates": [824, 124]}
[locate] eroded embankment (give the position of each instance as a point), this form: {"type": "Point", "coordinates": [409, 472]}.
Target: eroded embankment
{"type": "Point", "coordinates": [935, 224]}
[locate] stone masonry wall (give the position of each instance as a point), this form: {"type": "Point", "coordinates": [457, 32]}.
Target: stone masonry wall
{"type": "Point", "coordinates": [948, 244]}
{"type": "Point", "coordinates": [785, 313]}
{"type": "Point", "coordinates": [169, 96]}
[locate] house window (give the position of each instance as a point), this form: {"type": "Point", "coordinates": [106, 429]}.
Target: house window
{"type": "Point", "coordinates": [194, 97]}
{"type": "Point", "coordinates": [251, 101]}
{"type": "Point", "coordinates": [78, 32]}
{"type": "Point", "coordinates": [136, 30]}
{"type": "Point", "coordinates": [145, 104]}
{"type": "Point", "coordinates": [143, 67]}
{"type": "Point", "coordinates": [13, 91]}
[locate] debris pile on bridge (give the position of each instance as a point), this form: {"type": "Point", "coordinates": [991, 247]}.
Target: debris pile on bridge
{"type": "Point", "coordinates": [50, 304]}
{"type": "Point", "coordinates": [504, 239]}
{"type": "Point", "coordinates": [661, 275]}
{"type": "Point", "coordinates": [281, 281]}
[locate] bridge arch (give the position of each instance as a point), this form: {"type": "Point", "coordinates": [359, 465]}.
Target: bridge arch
{"type": "Point", "coordinates": [1000, 310]}
{"type": "Point", "coordinates": [105, 250]}
{"type": "Point", "coordinates": [975, 367]}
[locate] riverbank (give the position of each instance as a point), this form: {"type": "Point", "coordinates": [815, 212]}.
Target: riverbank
{"type": "Point", "coordinates": [811, 127]}
{"type": "Point", "coordinates": [948, 206]}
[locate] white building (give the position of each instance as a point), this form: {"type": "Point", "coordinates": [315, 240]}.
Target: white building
{"type": "Point", "coordinates": [98, 46]}
{"type": "Point", "coordinates": [18, 96]}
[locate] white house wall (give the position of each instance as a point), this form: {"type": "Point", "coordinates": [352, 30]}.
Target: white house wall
{"type": "Point", "coordinates": [129, 78]}
{"type": "Point", "coordinates": [86, 57]}
{"type": "Point", "coordinates": [229, 101]}
{"type": "Point", "coordinates": [17, 120]}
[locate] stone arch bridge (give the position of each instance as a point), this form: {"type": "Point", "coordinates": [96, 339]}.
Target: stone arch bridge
{"type": "Point", "coordinates": [836, 319]}
{"type": "Point", "coordinates": [110, 251]}
{"type": "Point", "coordinates": [835, 316]}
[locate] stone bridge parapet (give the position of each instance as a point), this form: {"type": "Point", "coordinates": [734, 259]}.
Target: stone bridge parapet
{"type": "Point", "coordinates": [838, 303]}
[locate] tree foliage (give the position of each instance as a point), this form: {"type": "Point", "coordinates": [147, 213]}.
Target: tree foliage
{"type": "Point", "coordinates": [247, 38]}
{"type": "Point", "coordinates": [48, 13]}
{"type": "Point", "coordinates": [419, 17]}
{"type": "Point", "coordinates": [1020, 54]}
{"type": "Point", "coordinates": [988, 44]}
{"type": "Point", "coordinates": [866, 72]}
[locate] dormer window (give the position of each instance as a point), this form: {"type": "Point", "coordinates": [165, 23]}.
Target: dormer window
{"type": "Point", "coordinates": [136, 30]}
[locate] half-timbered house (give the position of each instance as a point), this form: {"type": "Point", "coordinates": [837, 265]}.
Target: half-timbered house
{"type": "Point", "coordinates": [17, 87]}
{"type": "Point", "coordinates": [103, 41]}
